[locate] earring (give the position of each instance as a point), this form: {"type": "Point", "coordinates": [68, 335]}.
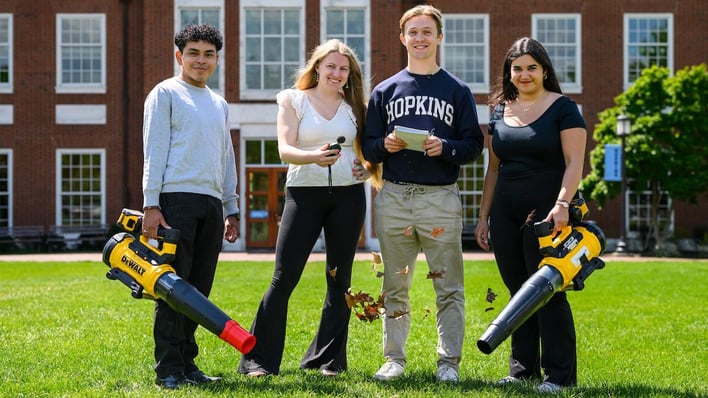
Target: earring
{"type": "Point", "coordinates": [545, 77]}
{"type": "Point", "coordinates": [317, 76]}
{"type": "Point", "coordinates": [346, 85]}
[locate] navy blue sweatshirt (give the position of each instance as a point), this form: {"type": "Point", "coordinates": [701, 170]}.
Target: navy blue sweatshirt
{"type": "Point", "coordinates": [440, 103]}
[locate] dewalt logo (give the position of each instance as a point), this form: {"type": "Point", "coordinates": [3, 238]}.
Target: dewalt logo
{"type": "Point", "coordinates": [133, 265]}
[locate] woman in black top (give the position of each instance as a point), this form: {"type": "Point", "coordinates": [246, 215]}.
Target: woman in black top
{"type": "Point", "coordinates": [536, 153]}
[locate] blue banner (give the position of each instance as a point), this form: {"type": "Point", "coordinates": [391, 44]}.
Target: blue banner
{"type": "Point", "coordinates": [613, 162]}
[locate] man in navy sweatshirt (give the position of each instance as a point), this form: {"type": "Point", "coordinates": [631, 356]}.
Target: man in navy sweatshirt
{"type": "Point", "coordinates": [419, 205]}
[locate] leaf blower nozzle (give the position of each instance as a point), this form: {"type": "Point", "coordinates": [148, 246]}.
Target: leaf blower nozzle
{"type": "Point", "coordinates": [570, 257]}
{"type": "Point", "coordinates": [145, 269]}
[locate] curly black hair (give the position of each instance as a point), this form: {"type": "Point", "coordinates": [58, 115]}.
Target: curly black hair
{"type": "Point", "coordinates": [195, 33]}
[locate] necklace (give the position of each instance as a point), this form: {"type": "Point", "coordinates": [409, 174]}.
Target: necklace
{"type": "Point", "coordinates": [525, 108]}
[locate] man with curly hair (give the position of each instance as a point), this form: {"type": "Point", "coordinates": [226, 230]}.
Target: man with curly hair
{"type": "Point", "coordinates": [189, 183]}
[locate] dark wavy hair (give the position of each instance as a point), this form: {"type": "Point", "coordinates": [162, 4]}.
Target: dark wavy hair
{"type": "Point", "coordinates": [195, 33]}
{"type": "Point", "coordinates": [505, 90]}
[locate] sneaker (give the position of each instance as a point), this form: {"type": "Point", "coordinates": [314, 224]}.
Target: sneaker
{"type": "Point", "coordinates": [173, 382]}
{"type": "Point", "coordinates": [198, 377]}
{"type": "Point", "coordinates": [549, 388]}
{"type": "Point", "coordinates": [329, 373]}
{"type": "Point", "coordinates": [508, 380]}
{"type": "Point", "coordinates": [389, 371]}
{"type": "Point", "coordinates": [447, 374]}
{"type": "Point", "coordinates": [257, 373]}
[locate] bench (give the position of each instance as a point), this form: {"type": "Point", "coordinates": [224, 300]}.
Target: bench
{"type": "Point", "coordinates": [21, 238]}
{"type": "Point", "coordinates": [76, 237]}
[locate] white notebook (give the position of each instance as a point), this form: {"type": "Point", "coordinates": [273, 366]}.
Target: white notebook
{"type": "Point", "coordinates": [413, 137]}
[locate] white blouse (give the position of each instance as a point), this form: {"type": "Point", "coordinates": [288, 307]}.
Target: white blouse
{"type": "Point", "coordinates": [313, 132]}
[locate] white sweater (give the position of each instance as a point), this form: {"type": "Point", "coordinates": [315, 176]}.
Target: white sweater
{"type": "Point", "coordinates": [187, 144]}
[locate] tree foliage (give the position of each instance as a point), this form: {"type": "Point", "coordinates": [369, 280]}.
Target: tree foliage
{"type": "Point", "coordinates": [666, 150]}
{"type": "Point", "coordinates": [667, 145]}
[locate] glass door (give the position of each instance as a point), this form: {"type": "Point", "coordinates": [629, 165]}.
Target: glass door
{"type": "Point", "coordinates": [265, 198]}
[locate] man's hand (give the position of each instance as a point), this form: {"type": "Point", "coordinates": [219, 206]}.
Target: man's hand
{"type": "Point", "coordinates": [152, 219]}
{"type": "Point", "coordinates": [231, 232]}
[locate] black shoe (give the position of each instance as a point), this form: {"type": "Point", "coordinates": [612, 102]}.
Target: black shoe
{"type": "Point", "coordinates": [173, 381]}
{"type": "Point", "coordinates": [198, 377]}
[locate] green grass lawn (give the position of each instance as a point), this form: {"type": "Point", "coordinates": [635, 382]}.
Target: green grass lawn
{"type": "Point", "coordinates": [68, 331]}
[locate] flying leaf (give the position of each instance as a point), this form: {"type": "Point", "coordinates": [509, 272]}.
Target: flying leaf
{"type": "Point", "coordinates": [436, 274]}
{"type": "Point", "coordinates": [398, 314]}
{"type": "Point", "coordinates": [365, 308]}
{"type": "Point", "coordinates": [529, 219]}
{"type": "Point", "coordinates": [408, 231]}
{"type": "Point", "coordinates": [403, 271]}
{"type": "Point", "coordinates": [333, 272]}
{"type": "Point", "coordinates": [491, 296]}
{"type": "Point", "coordinates": [427, 312]}
{"type": "Point", "coordinates": [437, 231]}
{"type": "Point", "coordinates": [377, 257]}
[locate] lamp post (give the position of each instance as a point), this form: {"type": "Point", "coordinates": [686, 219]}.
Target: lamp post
{"type": "Point", "coordinates": [623, 128]}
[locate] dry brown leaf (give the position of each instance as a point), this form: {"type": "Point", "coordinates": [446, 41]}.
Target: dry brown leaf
{"type": "Point", "coordinates": [436, 274]}
{"type": "Point", "coordinates": [333, 272]}
{"type": "Point", "coordinates": [408, 231]}
{"type": "Point", "coordinates": [377, 257]}
{"type": "Point", "coordinates": [370, 309]}
{"type": "Point", "coordinates": [398, 314]}
{"type": "Point", "coordinates": [437, 231]}
{"type": "Point", "coordinates": [403, 271]}
{"type": "Point", "coordinates": [491, 296]}
{"type": "Point", "coordinates": [427, 312]}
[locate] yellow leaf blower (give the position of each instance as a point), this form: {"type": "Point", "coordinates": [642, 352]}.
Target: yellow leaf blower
{"type": "Point", "coordinates": [569, 258]}
{"type": "Point", "coordinates": [145, 269]}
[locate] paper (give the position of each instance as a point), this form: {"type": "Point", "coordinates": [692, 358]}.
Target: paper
{"type": "Point", "coordinates": [413, 137]}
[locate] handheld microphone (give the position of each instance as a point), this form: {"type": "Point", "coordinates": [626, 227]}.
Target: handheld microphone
{"type": "Point", "coordinates": [338, 146]}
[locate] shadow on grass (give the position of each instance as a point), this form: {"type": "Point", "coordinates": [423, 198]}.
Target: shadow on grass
{"type": "Point", "coordinates": [354, 384]}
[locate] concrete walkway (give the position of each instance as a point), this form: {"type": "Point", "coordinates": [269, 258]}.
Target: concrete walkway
{"type": "Point", "coordinates": [269, 256]}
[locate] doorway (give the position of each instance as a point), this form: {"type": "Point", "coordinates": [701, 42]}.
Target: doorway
{"type": "Point", "coordinates": [265, 198]}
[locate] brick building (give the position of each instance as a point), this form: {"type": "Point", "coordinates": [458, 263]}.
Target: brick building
{"type": "Point", "coordinates": [74, 74]}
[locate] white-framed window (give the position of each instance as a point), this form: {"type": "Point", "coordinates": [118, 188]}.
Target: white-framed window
{"type": "Point", "coordinates": [80, 187]}
{"type": "Point", "coordinates": [262, 152]}
{"type": "Point", "coordinates": [648, 40]}
{"type": "Point", "coordinates": [81, 53]}
{"type": "Point", "coordinates": [6, 60]}
{"type": "Point", "coordinates": [638, 217]}
{"type": "Point", "coordinates": [465, 49]}
{"type": "Point", "coordinates": [470, 183]}
{"type": "Point", "coordinates": [272, 36]}
{"type": "Point", "coordinates": [5, 187]}
{"type": "Point", "coordinates": [347, 20]}
{"type": "Point", "coordinates": [197, 12]}
{"type": "Point", "coordinates": [561, 36]}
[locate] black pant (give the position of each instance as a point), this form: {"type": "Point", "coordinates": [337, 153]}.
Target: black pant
{"type": "Point", "coordinates": [307, 211]}
{"type": "Point", "coordinates": [201, 223]}
{"type": "Point", "coordinates": [516, 250]}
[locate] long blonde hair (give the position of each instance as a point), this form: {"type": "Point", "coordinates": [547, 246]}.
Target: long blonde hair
{"type": "Point", "coordinates": [353, 93]}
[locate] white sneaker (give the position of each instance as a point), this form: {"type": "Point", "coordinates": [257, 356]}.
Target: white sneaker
{"type": "Point", "coordinates": [448, 374]}
{"type": "Point", "coordinates": [549, 388]}
{"type": "Point", "coordinates": [508, 380]}
{"type": "Point", "coordinates": [389, 371]}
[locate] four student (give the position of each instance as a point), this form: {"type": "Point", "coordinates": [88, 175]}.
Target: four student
{"type": "Point", "coordinates": [332, 143]}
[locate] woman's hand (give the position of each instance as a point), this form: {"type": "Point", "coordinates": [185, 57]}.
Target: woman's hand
{"type": "Point", "coordinates": [559, 217]}
{"type": "Point", "coordinates": [325, 156]}
{"type": "Point", "coordinates": [359, 171]}
{"type": "Point", "coordinates": [481, 233]}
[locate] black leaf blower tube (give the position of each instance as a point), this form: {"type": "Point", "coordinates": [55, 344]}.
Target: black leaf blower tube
{"type": "Point", "coordinates": [570, 257]}
{"type": "Point", "coordinates": [145, 269]}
